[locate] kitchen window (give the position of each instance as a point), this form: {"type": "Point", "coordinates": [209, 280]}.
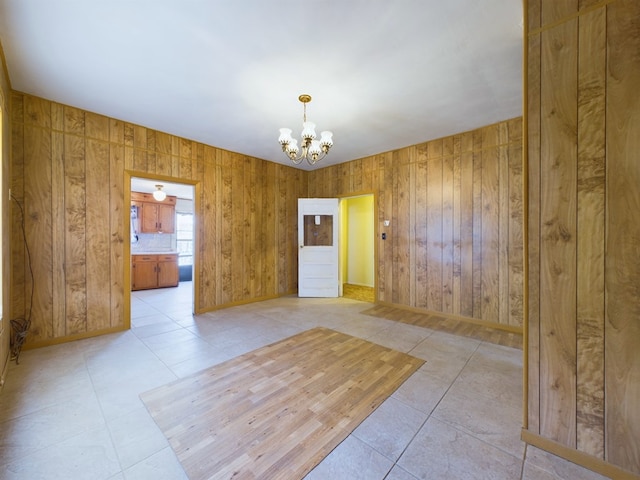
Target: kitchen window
{"type": "Point", "coordinates": [184, 238]}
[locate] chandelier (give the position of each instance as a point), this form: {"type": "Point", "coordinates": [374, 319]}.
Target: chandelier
{"type": "Point", "coordinates": [312, 150]}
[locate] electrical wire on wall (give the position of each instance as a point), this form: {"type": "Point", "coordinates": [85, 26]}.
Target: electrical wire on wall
{"type": "Point", "coordinates": [20, 326]}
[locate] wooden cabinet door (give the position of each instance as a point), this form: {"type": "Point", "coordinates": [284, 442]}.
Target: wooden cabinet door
{"type": "Point", "coordinates": [168, 272]}
{"type": "Point", "coordinates": [145, 274]}
{"type": "Point", "coordinates": [149, 218]}
{"type": "Point", "coordinates": [166, 218]}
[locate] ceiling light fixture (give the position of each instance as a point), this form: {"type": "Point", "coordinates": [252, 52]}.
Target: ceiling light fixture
{"type": "Point", "coordinates": [159, 194]}
{"type": "Point", "coordinates": [312, 150]}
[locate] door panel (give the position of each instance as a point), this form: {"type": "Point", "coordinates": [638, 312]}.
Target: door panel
{"type": "Point", "coordinates": [318, 247]}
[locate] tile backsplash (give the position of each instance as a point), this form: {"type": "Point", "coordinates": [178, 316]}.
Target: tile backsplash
{"type": "Point", "coordinates": [154, 242]}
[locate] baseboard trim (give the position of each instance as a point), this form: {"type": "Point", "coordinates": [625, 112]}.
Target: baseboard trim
{"type": "Point", "coordinates": [72, 338]}
{"type": "Point", "coordinates": [243, 302]}
{"type": "Point", "coordinates": [580, 458]}
{"type": "Point", "coordinates": [483, 323]}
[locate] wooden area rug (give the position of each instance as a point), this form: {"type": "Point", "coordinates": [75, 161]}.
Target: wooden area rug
{"type": "Point", "coordinates": [278, 411]}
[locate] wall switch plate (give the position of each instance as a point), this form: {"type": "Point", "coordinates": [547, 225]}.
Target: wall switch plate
{"type": "Point", "coordinates": [386, 223]}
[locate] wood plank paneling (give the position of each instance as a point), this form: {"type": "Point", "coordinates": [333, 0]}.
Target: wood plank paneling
{"type": "Point", "coordinates": [69, 168]}
{"type": "Point", "coordinates": [437, 197]}
{"type": "Point", "coordinates": [477, 244]}
{"type": "Point", "coordinates": [58, 300]}
{"type": "Point", "coordinates": [583, 73]}
{"type": "Point", "coordinates": [533, 231]}
{"type": "Point", "coordinates": [447, 232]}
{"type": "Point", "coordinates": [76, 235]}
{"type": "Point", "coordinates": [420, 223]}
{"type": "Point", "coordinates": [97, 238]}
{"type": "Point", "coordinates": [591, 235]}
{"type": "Point", "coordinates": [558, 233]}
{"type": "Point", "coordinates": [37, 223]}
{"type": "Point", "coordinates": [402, 264]}
{"type": "Point", "coordinates": [434, 229]}
{"type": "Point", "coordinates": [117, 210]}
{"type": "Point", "coordinates": [466, 231]}
{"type": "Point", "coordinates": [490, 233]}
{"type": "Point", "coordinates": [622, 331]}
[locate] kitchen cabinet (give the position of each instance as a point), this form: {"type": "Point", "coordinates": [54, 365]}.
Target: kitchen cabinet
{"type": "Point", "coordinates": [157, 218]}
{"type": "Point", "coordinates": [154, 216]}
{"type": "Point", "coordinates": [154, 271]}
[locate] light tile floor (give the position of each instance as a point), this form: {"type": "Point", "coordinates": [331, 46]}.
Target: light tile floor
{"type": "Point", "coordinates": [73, 411]}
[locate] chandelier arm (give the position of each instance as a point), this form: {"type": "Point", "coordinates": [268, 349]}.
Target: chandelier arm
{"type": "Point", "coordinates": [311, 161]}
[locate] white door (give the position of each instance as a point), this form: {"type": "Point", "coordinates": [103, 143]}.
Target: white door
{"type": "Point", "coordinates": [318, 247]}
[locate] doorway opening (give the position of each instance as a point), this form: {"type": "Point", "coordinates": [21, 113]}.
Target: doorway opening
{"type": "Point", "coordinates": [357, 247]}
{"type": "Point", "coordinates": [162, 252]}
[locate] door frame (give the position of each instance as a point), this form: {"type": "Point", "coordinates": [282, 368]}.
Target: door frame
{"type": "Point", "coordinates": [126, 226]}
{"type": "Point", "coordinates": [376, 239]}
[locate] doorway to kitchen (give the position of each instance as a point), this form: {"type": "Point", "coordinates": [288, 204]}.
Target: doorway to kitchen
{"type": "Point", "coordinates": [162, 253]}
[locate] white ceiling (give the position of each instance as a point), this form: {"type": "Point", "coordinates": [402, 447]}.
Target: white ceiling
{"type": "Point", "coordinates": [146, 185]}
{"type": "Point", "coordinates": [383, 74]}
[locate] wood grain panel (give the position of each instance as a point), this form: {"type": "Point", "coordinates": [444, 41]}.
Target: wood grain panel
{"type": "Point", "coordinates": [281, 202]}
{"type": "Point", "coordinates": [18, 269]}
{"type": "Point", "coordinates": [558, 233]}
{"type": "Point", "coordinates": [237, 229]}
{"type": "Point", "coordinates": [490, 270]}
{"type": "Point", "coordinates": [96, 126]}
{"type": "Point", "coordinates": [447, 232]}
{"type": "Point", "coordinates": [117, 210]}
{"type": "Point", "coordinates": [37, 112]}
{"type": "Point", "coordinates": [553, 11]}
{"type": "Point", "coordinates": [268, 200]}
{"type": "Point", "coordinates": [466, 234]}
{"type": "Point", "coordinates": [402, 257]}
{"type": "Point", "coordinates": [38, 228]}
{"type": "Point", "coordinates": [6, 216]}
{"type": "Point", "coordinates": [208, 232]}
{"type": "Point", "coordinates": [434, 229]}
{"type": "Point", "coordinates": [476, 218]}
{"type": "Point", "coordinates": [97, 238]}
{"type": "Point", "coordinates": [58, 300]}
{"type": "Point", "coordinates": [533, 231]}
{"type": "Point", "coordinates": [74, 121]}
{"type": "Point", "coordinates": [75, 241]}
{"type": "Point", "coordinates": [515, 239]}
{"type": "Point", "coordinates": [420, 223]}
{"type": "Point", "coordinates": [591, 234]}
{"type": "Point", "coordinates": [226, 247]}
{"type": "Point", "coordinates": [456, 282]}
{"type": "Point", "coordinates": [504, 214]}
{"type": "Point", "coordinates": [622, 273]}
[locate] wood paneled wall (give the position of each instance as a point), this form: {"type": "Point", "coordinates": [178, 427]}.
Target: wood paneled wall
{"type": "Point", "coordinates": [455, 242]}
{"type": "Point", "coordinates": [68, 170]}
{"type": "Point", "coordinates": [5, 218]}
{"type": "Point", "coordinates": [583, 116]}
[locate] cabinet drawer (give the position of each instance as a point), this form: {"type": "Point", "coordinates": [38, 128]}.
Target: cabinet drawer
{"type": "Point", "coordinates": [168, 258]}
{"type": "Point", "coordinates": [144, 258]}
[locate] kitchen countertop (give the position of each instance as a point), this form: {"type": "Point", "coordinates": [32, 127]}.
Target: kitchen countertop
{"type": "Point", "coordinates": [153, 253]}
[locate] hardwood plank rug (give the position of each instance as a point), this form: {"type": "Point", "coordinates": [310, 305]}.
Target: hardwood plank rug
{"type": "Point", "coordinates": [278, 411]}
